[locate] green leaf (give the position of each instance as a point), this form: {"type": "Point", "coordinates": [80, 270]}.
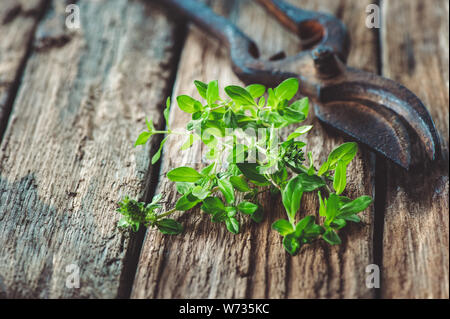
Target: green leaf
{"type": "Point", "coordinates": [150, 125]}
{"type": "Point", "coordinates": [331, 237]}
{"type": "Point", "coordinates": [262, 102]}
{"type": "Point", "coordinates": [291, 196]}
{"type": "Point", "coordinates": [184, 174]}
{"type": "Point", "coordinates": [186, 202]}
{"type": "Point", "coordinates": [322, 207]}
{"type": "Point", "coordinates": [201, 88]}
{"type": "Point", "coordinates": [332, 207]}
{"type": "Point", "coordinates": [229, 118]}
{"type": "Point", "coordinates": [227, 190]}
{"type": "Point", "coordinates": [169, 227]}
{"type": "Point", "coordinates": [258, 216]}
{"type": "Point", "coordinates": [231, 211]}
{"type": "Point", "coordinates": [247, 208]}
{"type": "Point", "coordinates": [239, 95]}
{"type": "Point", "coordinates": [292, 116]}
{"type": "Point", "coordinates": [299, 131]}
{"type": "Point", "coordinates": [157, 155]}
{"type": "Point", "coordinates": [313, 231]}
{"type": "Point", "coordinates": [291, 244]}
{"type": "Point", "coordinates": [256, 90]}
{"type": "Point", "coordinates": [323, 169]}
{"type": "Point", "coordinates": [212, 92]}
{"type": "Point", "coordinates": [283, 227]}
{"type": "Point", "coordinates": [311, 169]}
{"type": "Point", "coordinates": [338, 223]}
{"type": "Point", "coordinates": [287, 89]}
{"type": "Point", "coordinates": [189, 142]}
{"type": "Point", "coordinates": [167, 111]}
{"type": "Point", "coordinates": [340, 177]}
{"type": "Point", "coordinates": [208, 169]}
{"type": "Point", "coordinates": [250, 170]}
{"type": "Point", "coordinates": [188, 104]}
{"type": "Point", "coordinates": [232, 225]}
{"type": "Point", "coordinates": [346, 152]}
{"type": "Point", "coordinates": [301, 106]}
{"type": "Point", "coordinates": [212, 205]}
{"type": "Point", "coordinates": [183, 187]}
{"type": "Point", "coordinates": [355, 206]}
{"type": "Point", "coordinates": [304, 224]}
{"type": "Point", "coordinates": [310, 182]}
{"type": "Point", "coordinates": [352, 218]}
{"type": "Point", "coordinates": [143, 138]}
{"type": "Point", "coordinates": [240, 184]}
{"type": "Point", "coordinates": [200, 192]}
{"type": "Point", "coordinates": [123, 223]}
{"type": "Point", "coordinates": [271, 100]}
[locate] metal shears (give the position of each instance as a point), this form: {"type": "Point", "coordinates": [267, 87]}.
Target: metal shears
{"type": "Point", "coordinates": [372, 109]}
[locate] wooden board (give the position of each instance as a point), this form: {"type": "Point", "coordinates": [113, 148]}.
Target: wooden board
{"type": "Point", "coordinates": [416, 224]}
{"type": "Point", "coordinates": [18, 20]}
{"type": "Point", "coordinates": [208, 262]}
{"type": "Point", "coordinates": [67, 155]}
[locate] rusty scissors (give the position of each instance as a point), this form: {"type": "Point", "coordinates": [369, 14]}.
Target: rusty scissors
{"type": "Point", "coordinates": [369, 108]}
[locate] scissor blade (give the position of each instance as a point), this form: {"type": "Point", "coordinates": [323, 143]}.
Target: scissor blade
{"type": "Point", "coordinates": [378, 128]}
{"type": "Point", "coordinates": [381, 93]}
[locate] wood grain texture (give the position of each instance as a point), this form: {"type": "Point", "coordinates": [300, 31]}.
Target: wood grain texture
{"type": "Point", "coordinates": [208, 262]}
{"type": "Point", "coordinates": [18, 20]}
{"type": "Point", "coordinates": [67, 156]}
{"type": "Point", "coordinates": [415, 40]}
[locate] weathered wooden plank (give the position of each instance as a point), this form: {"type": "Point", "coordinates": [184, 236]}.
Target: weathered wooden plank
{"type": "Point", "coordinates": [415, 44]}
{"type": "Point", "coordinates": [208, 262]}
{"type": "Point", "coordinates": [18, 20]}
{"type": "Point", "coordinates": [67, 156]}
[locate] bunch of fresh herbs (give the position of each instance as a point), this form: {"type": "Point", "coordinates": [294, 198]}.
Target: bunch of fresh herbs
{"type": "Point", "coordinates": [240, 163]}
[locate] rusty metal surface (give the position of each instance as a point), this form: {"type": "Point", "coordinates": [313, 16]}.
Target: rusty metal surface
{"type": "Point", "coordinates": [371, 109]}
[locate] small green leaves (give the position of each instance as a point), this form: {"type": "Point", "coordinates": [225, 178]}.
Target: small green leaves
{"type": "Point", "coordinates": [227, 190]}
{"type": "Point", "coordinates": [157, 155]}
{"type": "Point", "coordinates": [256, 90]}
{"type": "Point", "coordinates": [247, 208]}
{"type": "Point", "coordinates": [331, 237]}
{"type": "Point", "coordinates": [212, 92]}
{"type": "Point", "coordinates": [250, 170]}
{"type": "Point", "coordinates": [232, 225]}
{"type": "Point", "coordinates": [291, 244]}
{"type": "Point", "coordinates": [186, 202]}
{"type": "Point", "coordinates": [213, 205]}
{"type": "Point", "coordinates": [240, 184]}
{"type": "Point", "coordinates": [287, 89]}
{"type": "Point", "coordinates": [143, 138]}
{"type": "Point", "coordinates": [229, 119]}
{"type": "Point", "coordinates": [169, 227]}
{"type": "Point", "coordinates": [184, 174]}
{"type": "Point", "coordinates": [340, 178]}
{"type": "Point", "coordinates": [299, 131]}
{"type": "Point", "coordinates": [239, 95]}
{"type": "Point", "coordinates": [345, 153]}
{"type": "Point", "coordinates": [201, 88]}
{"type": "Point", "coordinates": [188, 104]}
{"type": "Point", "coordinates": [136, 213]}
{"type": "Point", "coordinates": [291, 197]}
{"type": "Point", "coordinates": [251, 164]}
{"type": "Point", "coordinates": [283, 227]}
{"type": "Point", "coordinates": [356, 206]}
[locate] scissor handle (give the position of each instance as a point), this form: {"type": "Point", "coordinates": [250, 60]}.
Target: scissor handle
{"type": "Point", "coordinates": [313, 28]}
